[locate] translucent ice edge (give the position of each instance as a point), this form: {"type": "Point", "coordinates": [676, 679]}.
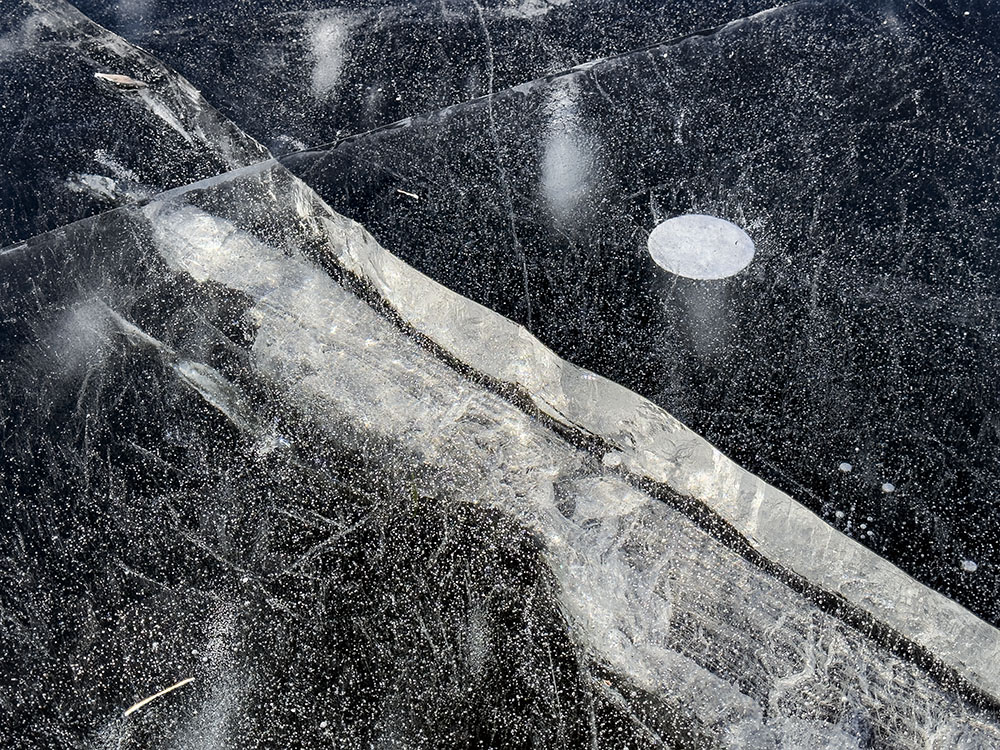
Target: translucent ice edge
{"type": "Point", "coordinates": [650, 443]}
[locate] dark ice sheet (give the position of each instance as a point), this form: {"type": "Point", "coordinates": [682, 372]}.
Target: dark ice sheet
{"type": "Point", "coordinates": [857, 147]}
{"type": "Point", "coordinates": [223, 465]}
{"type": "Point", "coordinates": [314, 597]}
{"type": "Point", "coordinates": [301, 73]}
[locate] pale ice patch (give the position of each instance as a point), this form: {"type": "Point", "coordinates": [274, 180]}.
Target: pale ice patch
{"type": "Point", "coordinates": [567, 160]}
{"type": "Point", "coordinates": [328, 38]}
{"type": "Point", "coordinates": [970, 566]}
{"type": "Point", "coordinates": [162, 111]}
{"type": "Point", "coordinates": [697, 246]}
{"type": "Point", "coordinates": [23, 38]}
{"type": "Point", "coordinates": [888, 487]}
{"type": "Point", "coordinates": [530, 8]}
{"type": "Point", "coordinates": [80, 337]}
{"type": "Point", "coordinates": [707, 318]}
{"type": "Point", "coordinates": [121, 184]}
{"type": "Point", "coordinates": [107, 187]}
{"type": "Point", "coordinates": [286, 143]}
{"type": "Point", "coordinates": [132, 12]}
{"type": "Point", "coordinates": [96, 184]}
{"type": "Point", "coordinates": [119, 171]}
{"type": "Point", "coordinates": [846, 467]}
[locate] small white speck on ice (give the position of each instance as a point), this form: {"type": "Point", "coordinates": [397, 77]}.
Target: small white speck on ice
{"type": "Point", "coordinates": [839, 514]}
{"type": "Point", "coordinates": [846, 467]}
{"type": "Point", "coordinates": [969, 566]}
{"type": "Point", "coordinates": [324, 724]}
{"type": "Point", "coordinates": [888, 487]}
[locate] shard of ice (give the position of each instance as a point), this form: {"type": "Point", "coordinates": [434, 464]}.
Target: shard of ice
{"type": "Point", "coordinates": [90, 122]}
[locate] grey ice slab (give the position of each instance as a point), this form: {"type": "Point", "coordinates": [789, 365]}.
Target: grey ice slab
{"type": "Point", "coordinates": [854, 143]}
{"type": "Point", "coordinates": [90, 122]}
{"type": "Point", "coordinates": [302, 73]}
{"type": "Point", "coordinates": [243, 327]}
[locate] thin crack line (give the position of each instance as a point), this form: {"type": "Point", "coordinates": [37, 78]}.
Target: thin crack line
{"type": "Point", "coordinates": [504, 179]}
{"type": "Point", "coordinates": [583, 67]}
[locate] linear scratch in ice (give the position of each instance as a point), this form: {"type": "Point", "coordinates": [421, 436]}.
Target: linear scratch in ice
{"type": "Point", "coordinates": [504, 181]}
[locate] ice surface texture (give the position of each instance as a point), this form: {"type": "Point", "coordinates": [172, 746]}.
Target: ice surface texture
{"type": "Point", "coordinates": [302, 72]}
{"type": "Point", "coordinates": [853, 143]}
{"type": "Point", "coordinates": [266, 485]}
{"type": "Point", "coordinates": [247, 445]}
{"type": "Point", "coordinates": [76, 143]}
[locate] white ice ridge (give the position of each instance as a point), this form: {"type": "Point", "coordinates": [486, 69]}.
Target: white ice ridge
{"type": "Point", "coordinates": [647, 592]}
{"type": "Point", "coordinates": [655, 445]}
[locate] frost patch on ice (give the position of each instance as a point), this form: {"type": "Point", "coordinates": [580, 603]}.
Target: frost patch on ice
{"type": "Point", "coordinates": [132, 12]}
{"type": "Point", "coordinates": [970, 566]}
{"type": "Point", "coordinates": [328, 38]}
{"type": "Point", "coordinates": [697, 246]}
{"type": "Point", "coordinates": [159, 109]}
{"type": "Point", "coordinates": [888, 487]}
{"type": "Point", "coordinates": [120, 172]}
{"type": "Point", "coordinates": [846, 467]}
{"type": "Point", "coordinates": [106, 187]}
{"type": "Point", "coordinates": [120, 183]}
{"type": "Point", "coordinates": [567, 160]}
{"type": "Point", "coordinates": [288, 144]}
{"type": "Point", "coordinates": [24, 37]}
{"type": "Point", "coordinates": [530, 8]}
{"type": "Point", "coordinates": [80, 338]}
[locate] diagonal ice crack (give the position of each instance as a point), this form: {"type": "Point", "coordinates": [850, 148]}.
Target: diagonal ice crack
{"type": "Point", "coordinates": [705, 33]}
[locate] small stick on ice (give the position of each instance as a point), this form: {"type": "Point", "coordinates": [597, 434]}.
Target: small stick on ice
{"type": "Point", "coordinates": [132, 709]}
{"type": "Point", "coordinates": [126, 82]}
{"type": "Point", "coordinates": [412, 195]}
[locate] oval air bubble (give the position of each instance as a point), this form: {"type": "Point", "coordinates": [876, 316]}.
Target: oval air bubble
{"type": "Point", "coordinates": [697, 246]}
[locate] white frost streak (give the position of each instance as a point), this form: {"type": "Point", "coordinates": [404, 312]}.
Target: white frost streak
{"type": "Point", "coordinates": [159, 109]}
{"type": "Point", "coordinates": [328, 37]}
{"type": "Point", "coordinates": [567, 161]}
{"type": "Point", "coordinates": [531, 8]}
{"type": "Point", "coordinates": [23, 38]}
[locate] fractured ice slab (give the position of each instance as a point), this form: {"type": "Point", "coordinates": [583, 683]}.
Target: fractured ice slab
{"type": "Point", "coordinates": [224, 453]}
{"type": "Point", "coordinates": [853, 143]}
{"type": "Point", "coordinates": [90, 122]}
